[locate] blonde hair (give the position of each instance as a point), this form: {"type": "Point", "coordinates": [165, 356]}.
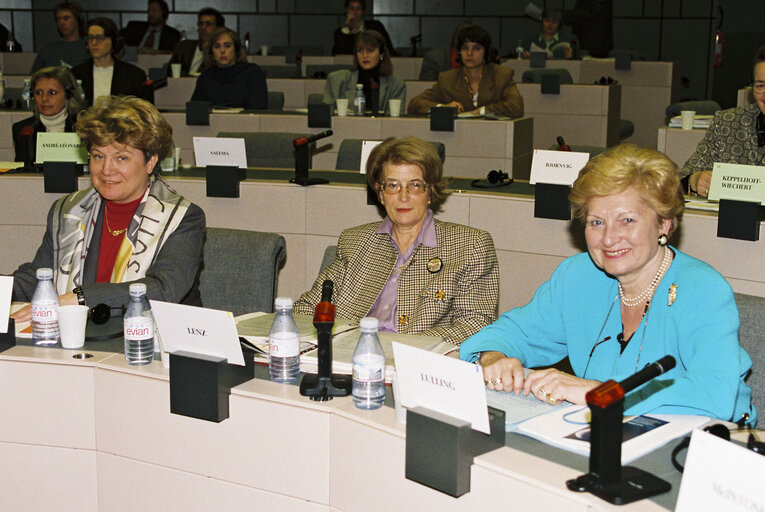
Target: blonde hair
{"type": "Point", "coordinates": [127, 120]}
{"type": "Point", "coordinates": [65, 78]}
{"type": "Point", "coordinates": [651, 173]}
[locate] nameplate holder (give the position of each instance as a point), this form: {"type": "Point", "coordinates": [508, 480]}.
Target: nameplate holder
{"type": "Point", "coordinates": [319, 115]}
{"type": "Point", "coordinates": [223, 180]}
{"type": "Point", "coordinates": [550, 84]}
{"type": "Point", "coordinates": [8, 339]}
{"type": "Point", "coordinates": [538, 59]}
{"type": "Point", "coordinates": [440, 448]}
{"type": "Point", "coordinates": [198, 113]}
{"type": "Point", "coordinates": [200, 384]}
{"type": "Point", "coordinates": [561, 167]}
{"type": "Point", "coordinates": [60, 147]}
{"type": "Point", "coordinates": [623, 60]}
{"type": "Point", "coordinates": [60, 177]}
{"type": "Point", "coordinates": [442, 119]}
{"type": "Point", "coordinates": [551, 201]}
{"type": "Point", "coordinates": [220, 151]}
{"type": "Point", "coordinates": [720, 475]}
{"type": "Point", "coordinates": [739, 220]}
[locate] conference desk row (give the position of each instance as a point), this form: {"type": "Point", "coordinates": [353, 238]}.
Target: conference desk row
{"type": "Point", "coordinates": [97, 434]}
{"type": "Point", "coordinates": [311, 218]}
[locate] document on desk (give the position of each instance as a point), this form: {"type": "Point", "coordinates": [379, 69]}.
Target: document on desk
{"type": "Point", "coordinates": [254, 327]}
{"type": "Point", "coordinates": [23, 329]}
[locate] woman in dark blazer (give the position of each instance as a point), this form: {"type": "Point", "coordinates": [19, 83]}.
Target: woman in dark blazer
{"type": "Point", "coordinates": [104, 74]}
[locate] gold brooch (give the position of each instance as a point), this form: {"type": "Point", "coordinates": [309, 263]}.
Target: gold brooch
{"type": "Point", "coordinates": [672, 294]}
{"type": "Point", "coordinates": [440, 295]}
{"type": "Point", "coordinates": [435, 264]}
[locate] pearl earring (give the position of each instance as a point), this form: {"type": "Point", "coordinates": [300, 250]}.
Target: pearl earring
{"type": "Point", "coordinates": [663, 240]}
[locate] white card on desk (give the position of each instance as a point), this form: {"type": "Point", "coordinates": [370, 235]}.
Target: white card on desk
{"type": "Point", "coordinates": [720, 475]}
{"type": "Point", "coordinates": [219, 151]}
{"type": "Point", "coordinates": [442, 384]}
{"type": "Point", "coordinates": [6, 289]}
{"type": "Point", "coordinates": [737, 181]}
{"type": "Point", "coordinates": [199, 330]}
{"type": "Point", "coordinates": [556, 167]}
{"type": "Point", "coordinates": [60, 147]}
{"type": "Point", "coordinates": [366, 147]}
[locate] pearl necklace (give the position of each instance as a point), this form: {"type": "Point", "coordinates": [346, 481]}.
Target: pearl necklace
{"type": "Point", "coordinates": [648, 292]}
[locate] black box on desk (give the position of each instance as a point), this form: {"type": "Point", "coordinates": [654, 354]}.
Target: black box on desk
{"type": "Point", "coordinates": [551, 201]}
{"type": "Point", "coordinates": [198, 113]}
{"type": "Point", "coordinates": [442, 119]}
{"type": "Point", "coordinates": [319, 115]}
{"type": "Point", "coordinates": [60, 177]}
{"type": "Point", "coordinates": [223, 180]}
{"type": "Point", "coordinates": [739, 220]}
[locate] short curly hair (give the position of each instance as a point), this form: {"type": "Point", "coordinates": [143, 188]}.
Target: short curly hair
{"type": "Point", "coordinates": [126, 120]}
{"type": "Point", "coordinates": [650, 172]}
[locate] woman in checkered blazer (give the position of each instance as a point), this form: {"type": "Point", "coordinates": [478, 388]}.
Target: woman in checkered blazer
{"type": "Point", "coordinates": [414, 273]}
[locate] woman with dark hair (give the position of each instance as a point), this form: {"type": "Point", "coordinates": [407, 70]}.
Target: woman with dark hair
{"type": "Point", "coordinates": [416, 274]}
{"type": "Point", "coordinates": [345, 36]}
{"type": "Point", "coordinates": [549, 39]}
{"type": "Point", "coordinates": [57, 103]}
{"type": "Point", "coordinates": [628, 301]}
{"type": "Point", "coordinates": [105, 75]}
{"type": "Point", "coordinates": [229, 80]}
{"type": "Point", "coordinates": [72, 49]}
{"type": "Point", "coordinates": [129, 226]}
{"type": "Point", "coordinates": [372, 65]}
{"type": "Point", "coordinates": [478, 87]}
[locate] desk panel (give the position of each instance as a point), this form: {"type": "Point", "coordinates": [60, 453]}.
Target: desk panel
{"type": "Point", "coordinates": [678, 144]}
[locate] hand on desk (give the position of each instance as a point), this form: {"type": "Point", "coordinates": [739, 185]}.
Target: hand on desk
{"type": "Point", "coordinates": [552, 386]}
{"type": "Point", "coordinates": [700, 182]}
{"type": "Point", "coordinates": [455, 104]}
{"type": "Point", "coordinates": [25, 314]}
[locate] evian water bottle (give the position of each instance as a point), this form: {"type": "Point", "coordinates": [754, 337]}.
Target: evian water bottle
{"type": "Point", "coordinates": [138, 327]}
{"type": "Point", "coordinates": [284, 344]}
{"type": "Point", "coordinates": [44, 303]}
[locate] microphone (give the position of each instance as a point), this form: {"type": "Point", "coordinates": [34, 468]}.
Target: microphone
{"type": "Point", "coordinates": [155, 84]}
{"type": "Point", "coordinates": [28, 133]}
{"type": "Point", "coordinates": [302, 141]}
{"type": "Point", "coordinates": [325, 310]}
{"type": "Point", "coordinates": [664, 364]}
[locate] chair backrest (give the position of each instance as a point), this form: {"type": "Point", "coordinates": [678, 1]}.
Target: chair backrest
{"type": "Point", "coordinates": [751, 336]}
{"type": "Point", "coordinates": [275, 101]}
{"type": "Point", "coordinates": [279, 70]}
{"type": "Point", "coordinates": [701, 107]}
{"type": "Point", "coordinates": [322, 70]}
{"type": "Point", "coordinates": [329, 256]}
{"type": "Point", "coordinates": [240, 270]}
{"type": "Point", "coordinates": [534, 76]}
{"type": "Point", "coordinates": [349, 154]}
{"type": "Point", "coordinates": [315, 98]}
{"type": "Point", "coordinates": [269, 149]}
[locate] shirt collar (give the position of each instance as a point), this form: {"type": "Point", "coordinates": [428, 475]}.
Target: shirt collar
{"type": "Point", "coordinates": [426, 236]}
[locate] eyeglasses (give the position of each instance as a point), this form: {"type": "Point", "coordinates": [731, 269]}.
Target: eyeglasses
{"type": "Point", "coordinates": [414, 187]}
{"type": "Point", "coordinates": [758, 87]}
{"type": "Point", "coordinates": [205, 24]}
{"type": "Point", "coordinates": [98, 39]}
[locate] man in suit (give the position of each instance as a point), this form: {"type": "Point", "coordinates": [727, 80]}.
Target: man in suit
{"type": "Point", "coordinates": [189, 53]}
{"type": "Point", "coordinates": [153, 35]}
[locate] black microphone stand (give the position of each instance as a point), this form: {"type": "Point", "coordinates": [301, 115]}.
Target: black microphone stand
{"type": "Point", "coordinates": [607, 478]}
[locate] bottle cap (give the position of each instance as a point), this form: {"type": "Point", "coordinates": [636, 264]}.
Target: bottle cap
{"type": "Point", "coordinates": [369, 323]}
{"type": "Point", "coordinates": [283, 302]}
{"type": "Point", "coordinates": [44, 273]}
{"type": "Point", "coordinates": [138, 289]}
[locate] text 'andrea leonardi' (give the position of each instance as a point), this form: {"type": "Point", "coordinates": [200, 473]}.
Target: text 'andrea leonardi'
{"type": "Point", "coordinates": [61, 145]}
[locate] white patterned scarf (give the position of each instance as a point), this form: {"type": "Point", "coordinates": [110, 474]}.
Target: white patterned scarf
{"type": "Point", "coordinates": [75, 217]}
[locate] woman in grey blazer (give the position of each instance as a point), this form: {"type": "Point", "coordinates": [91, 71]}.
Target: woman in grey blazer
{"type": "Point", "coordinates": [372, 65]}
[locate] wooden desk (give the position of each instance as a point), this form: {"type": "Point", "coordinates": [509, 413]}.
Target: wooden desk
{"type": "Point", "coordinates": [679, 144]}
{"type": "Point", "coordinates": [100, 437]}
{"type": "Point", "coordinates": [311, 218]}
{"type": "Point", "coordinates": [647, 89]}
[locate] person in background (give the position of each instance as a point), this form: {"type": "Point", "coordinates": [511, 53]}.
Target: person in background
{"type": "Point", "coordinates": [345, 36]}
{"type": "Point", "coordinates": [735, 136]}
{"type": "Point", "coordinates": [416, 274]}
{"type": "Point", "coordinates": [190, 53]}
{"type": "Point", "coordinates": [152, 35]}
{"type": "Point", "coordinates": [478, 87]}
{"type": "Point", "coordinates": [630, 300]}
{"type": "Point", "coordinates": [129, 226]}
{"type": "Point", "coordinates": [58, 100]}
{"type": "Point", "coordinates": [592, 23]}
{"type": "Point", "coordinates": [72, 49]}
{"type": "Point", "coordinates": [372, 65]}
{"type": "Point", "coordinates": [443, 59]}
{"type": "Point", "coordinates": [229, 80]}
{"type": "Point", "coordinates": [550, 39]}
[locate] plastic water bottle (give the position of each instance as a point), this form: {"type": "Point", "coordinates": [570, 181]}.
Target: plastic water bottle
{"type": "Point", "coordinates": [368, 367]}
{"type": "Point", "coordinates": [519, 50]}
{"type": "Point", "coordinates": [44, 316]}
{"type": "Point", "coordinates": [138, 327]}
{"type": "Point", "coordinates": [284, 344]}
{"type": "Point", "coordinates": [26, 95]}
{"type": "Point", "coordinates": [359, 101]}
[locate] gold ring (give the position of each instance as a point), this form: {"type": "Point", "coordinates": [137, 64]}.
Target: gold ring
{"type": "Point", "coordinates": [552, 401]}
{"type": "Point", "coordinates": [543, 392]}
{"type": "Point", "coordinates": [496, 380]}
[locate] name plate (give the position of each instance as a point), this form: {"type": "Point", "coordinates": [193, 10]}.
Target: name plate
{"type": "Point", "coordinates": [60, 147]}
{"type": "Point", "coordinates": [199, 330]}
{"type": "Point", "coordinates": [442, 384]}
{"type": "Point", "coordinates": [6, 288]}
{"type": "Point", "coordinates": [738, 182]}
{"type": "Point", "coordinates": [720, 475]}
{"type": "Point", "coordinates": [219, 151]}
{"type": "Point", "coordinates": [556, 167]}
{"type": "Point", "coordinates": [366, 148]}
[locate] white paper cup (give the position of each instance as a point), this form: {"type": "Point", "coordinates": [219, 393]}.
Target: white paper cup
{"type": "Point", "coordinates": [395, 107]}
{"type": "Point", "coordinates": [342, 106]}
{"type": "Point", "coordinates": [175, 69]}
{"type": "Point", "coordinates": [177, 158]}
{"type": "Point", "coordinates": [71, 324]}
{"type": "Point", "coordinates": [686, 119]}
{"type": "Point", "coordinates": [264, 49]}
